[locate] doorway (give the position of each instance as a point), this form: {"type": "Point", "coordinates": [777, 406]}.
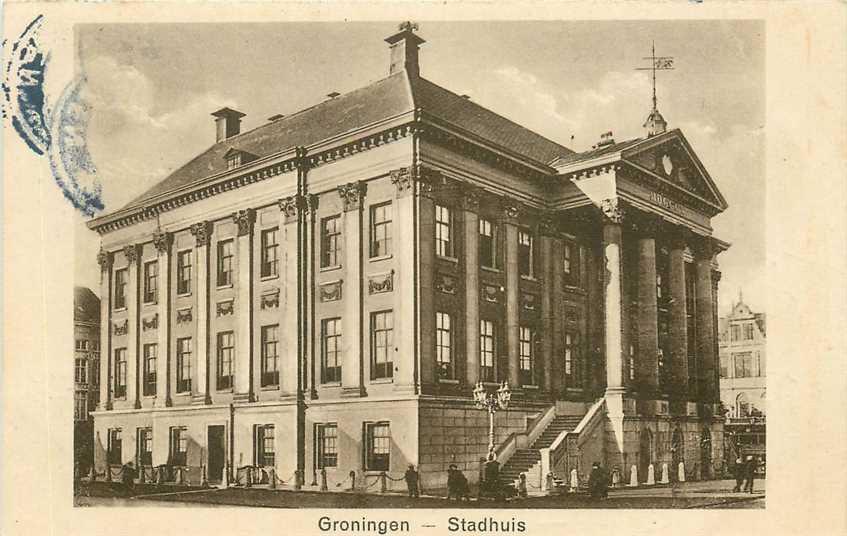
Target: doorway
{"type": "Point", "coordinates": [645, 454]}
{"type": "Point", "coordinates": [217, 453]}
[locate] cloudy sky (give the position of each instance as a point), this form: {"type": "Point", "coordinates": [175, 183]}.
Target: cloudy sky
{"type": "Point", "coordinates": [151, 89]}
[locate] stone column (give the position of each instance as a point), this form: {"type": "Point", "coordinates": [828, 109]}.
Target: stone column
{"type": "Point", "coordinates": [163, 241]}
{"type": "Point", "coordinates": [311, 204]}
{"type": "Point", "coordinates": [612, 245]}
{"type": "Point", "coordinates": [426, 285]}
{"type": "Point", "coordinates": [471, 236]}
{"type": "Point", "coordinates": [647, 360]}
{"type": "Point", "coordinates": [678, 328]}
{"type": "Point", "coordinates": [289, 326]}
{"type": "Point", "coordinates": [352, 328]}
{"type": "Point", "coordinates": [547, 230]}
{"type": "Point", "coordinates": [104, 259]}
{"type": "Point", "coordinates": [404, 280]}
{"type": "Point", "coordinates": [244, 219]}
{"type": "Point", "coordinates": [512, 290]}
{"type": "Point", "coordinates": [704, 319]}
{"type": "Point", "coordinates": [557, 320]}
{"type": "Point", "coordinates": [200, 383]}
{"type": "Point", "coordinates": [132, 253]}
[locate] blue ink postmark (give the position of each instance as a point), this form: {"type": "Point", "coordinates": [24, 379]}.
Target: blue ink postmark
{"type": "Point", "coordinates": [60, 134]}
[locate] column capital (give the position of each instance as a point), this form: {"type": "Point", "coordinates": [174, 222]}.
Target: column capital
{"type": "Point", "coordinates": [470, 196]}
{"type": "Point", "coordinates": [310, 203]}
{"type": "Point", "coordinates": [104, 259]}
{"type": "Point", "coordinates": [202, 232]}
{"type": "Point", "coordinates": [547, 227]}
{"type": "Point", "coordinates": [244, 219]}
{"type": "Point", "coordinates": [703, 249]}
{"type": "Point", "coordinates": [131, 252]}
{"type": "Point", "coordinates": [162, 240]}
{"type": "Point", "coordinates": [291, 206]}
{"type": "Point", "coordinates": [352, 194]}
{"type": "Point", "coordinates": [679, 237]}
{"type": "Point", "coordinates": [511, 211]}
{"type": "Point", "coordinates": [716, 276]}
{"type": "Point", "coordinates": [612, 210]}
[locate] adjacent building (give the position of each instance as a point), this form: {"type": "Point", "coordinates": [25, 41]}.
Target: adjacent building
{"type": "Point", "coordinates": [324, 292]}
{"type": "Point", "coordinates": [86, 373]}
{"type": "Point", "coordinates": [743, 361]}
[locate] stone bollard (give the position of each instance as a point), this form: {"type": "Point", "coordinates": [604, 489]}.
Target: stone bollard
{"type": "Point", "coordinates": [298, 480]}
{"type": "Point", "coordinates": [616, 477]}
{"type": "Point", "coordinates": [225, 480]}
{"type": "Point", "coordinates": [574, 481]}
{"type": "Point", "coordinates": [323, 479]}
{"type": "Point", "coordinates": [664, 479]}
{"type": "Point", "coordinates": [352, 480]}
{"type": "Point", "coordinates": [633, 477]}
{"type": "Point", "coordinates": [383, 485]}
{"type": "Point", "coordinates": [179, 480]}
{"type": "Point", "coordinates": [651, 475]}
{"type": "Point", "coordinates": [681, 472]}
{"type": "Point", "coordinates": [272, 478]}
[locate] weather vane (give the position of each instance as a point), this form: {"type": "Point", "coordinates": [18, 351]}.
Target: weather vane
{"type": "Point", "coordinates": [658, 63]}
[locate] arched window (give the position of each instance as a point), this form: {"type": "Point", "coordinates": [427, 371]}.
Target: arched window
{"type": "Point", "coordinates": [742, 406]}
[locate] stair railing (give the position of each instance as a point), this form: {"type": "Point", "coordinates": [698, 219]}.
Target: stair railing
{"type": "Point", "coordinates": [523, 440]}
{"type": "Point", "coordinates": [554, 458]}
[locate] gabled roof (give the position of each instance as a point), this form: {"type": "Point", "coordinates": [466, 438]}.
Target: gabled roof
{"type": "Point", "coordinates": [392, 96]}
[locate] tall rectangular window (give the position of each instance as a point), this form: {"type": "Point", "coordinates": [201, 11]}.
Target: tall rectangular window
{"type": "Point", "coordinates": [183, 272]}
{"type": "Point", "coordinates": [80, 406]}
{"type": "Point", "coordinates": [443, 231]}
{"type": "Point", "coordinates": [270, 355]}
{"type": "Point", "coordinates": [526, 341]}
{"type": "Point", "coordinates": [120, 373]}
{"type": "Point", "coordinates": [270, 253]}
{"type": "Point", "coordinates": [377, 446]}
{"type": "Point", "coordinates": [487, 244]}
{"type": "Point", "coordinates": [179, 446]}
{"type": "Point", "coordinates": [120, 288]}
{"type": "Point", "coordinates": [381, 230]}
{"type": "Point", "coordinates": [225, 263]}
{"type": "Point", "coordinates": [80, 370]}
{"type": "Point", "coordinates": [571, 263]}
{"type": "Point", "coordinates": [145, 446]}
{"type": "Point", "coordinates": [724, 367]}
{"type": "Point", "coordinates": [486, 350]}
{"type": "Point", "coordinates": [743, 365]}
{"type": "Point", "coordinates": [326, 441]}
{"type": "Point", "coordinates": [183, 365]}
{"type": "Point", "coordinates": [735, 332]}
{"type": "Point", "coordinates": [265, 445]}
{"type": "Point", "coordinates": [444, 345]}
{"type": "Point", "coordinates": [226, 354]}
{"type": "Point", "coordinates": [331, 350]}
{"type": "Point", "coordinates": [382, 343]}
{"type": "Point", "coordinates": [114, 447]}
{"type": "Point", "coordinates": [150, 354]}
{"type": "Point", "coordinates": [572, 365]}
{"type": "Point", "coordinates": [331, 242]}
{"type": "Point", "coordinates": [748, 331]}
{"type": "Point", "coordinates": [151, 281]}
{"type": "Point", "coordinates": [526, 254]}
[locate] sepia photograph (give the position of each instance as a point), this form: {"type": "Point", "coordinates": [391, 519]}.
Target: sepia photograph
{"type": "Point", "coordinates": [393, 268]}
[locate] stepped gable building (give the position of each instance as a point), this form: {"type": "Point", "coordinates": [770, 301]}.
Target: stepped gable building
{"type": "Point", "coordinates": [743, 362]}
{"type": "Point", "coordinates": [322, 293]}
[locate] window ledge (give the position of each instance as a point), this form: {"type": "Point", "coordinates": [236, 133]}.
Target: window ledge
{"type": "Point", "coordinates": [269, 388]}
{"type": "Point", "coordinates": [148, 303]}
{"type": "Point", "coordinates": [489, 269]}
{"type": "Point", "coordinates": [447, 258]}
{"type": "Point", "coordinates": [330, 268]}
{"type": "Point", "coordinates": [529, 278]}
{"type": "Point", "coordinates": [331, 384]}
{"type": "Point", "coordinates": [119, 310]}
{"type": "Point", "coordinates": [532, 387]}
{"type": "Point", "coordinates": [381, 258]}
{"type": "Point", "coordinates": [382, 380]}
{"type": "Point", "coordinates": [448, 381]}
{"type": "Point", "coordinates": [222, 287]}
{"type": "Point", "coordinates": [184, 295]}
{"type": "Point", "coordinates": [186, 393]}
{"type": "Point", "coordinates": [268, 277]}
{"type": "Point", "coordinates": [223, 390]}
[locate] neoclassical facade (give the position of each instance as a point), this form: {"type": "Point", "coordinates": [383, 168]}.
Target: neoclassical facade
{"type": "Point", "coordinates": [324, 292]}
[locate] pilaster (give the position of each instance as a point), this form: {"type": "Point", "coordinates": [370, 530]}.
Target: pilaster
{"type": "Point", "coordinates": [289, 328]}
{"type": "Point", "coordinates": [202, 232]}
{"type": "Point", "coordinates": [547, 231]}
{"type": "Point", "coordinates": [104, 259]}
{"type": "Point", "coordinates": [470, 208]}
{"type": "Point", "coordinates": [245, 220]}
{"type": "Point", "coordinates": [704, 311]}
{"type": "Point", "coordinates": [510, 221]}
{"type": "Point", "coordinates": [132, 254]}
{"type": "Point", "coordinates": [163, 241]}
{"type": "Point", "coordinates": [612, 245]}
{"type": "Point", "coordinates": [678, 328]}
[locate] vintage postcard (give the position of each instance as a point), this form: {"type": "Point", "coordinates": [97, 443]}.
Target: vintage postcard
{"type": "Point", "coordinates": [396, 268]}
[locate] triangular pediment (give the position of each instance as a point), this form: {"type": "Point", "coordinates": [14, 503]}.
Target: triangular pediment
{"type": "Point", "coordinates": [670, 158]}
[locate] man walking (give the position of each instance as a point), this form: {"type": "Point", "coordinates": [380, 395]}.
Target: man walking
{"type": "Point", "coordinates": [739, 469]}
{"type": "Point", "coordinates": [750, 473]}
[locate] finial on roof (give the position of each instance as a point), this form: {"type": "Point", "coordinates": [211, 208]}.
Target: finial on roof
{"type": "Point", "coordinates": [655, 123]}
{"type": "Point", "coordinates": [404, 49]}
{"type": "Point", "coordinates": [407, 26]}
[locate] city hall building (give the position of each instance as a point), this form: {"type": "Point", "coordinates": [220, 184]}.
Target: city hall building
{"type": "Point", "coordinates": [324, 292]}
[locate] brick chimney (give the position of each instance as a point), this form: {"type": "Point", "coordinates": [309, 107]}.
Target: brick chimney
{"type": "Point", "coordinates": [404, 49]}
{"type": "Point", "coordinates": [227, 123]}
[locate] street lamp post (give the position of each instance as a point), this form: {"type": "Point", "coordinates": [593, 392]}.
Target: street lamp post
{"type": "Point", "coordinates": [492, 402]}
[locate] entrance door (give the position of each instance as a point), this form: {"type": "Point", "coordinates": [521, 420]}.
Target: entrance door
{"type": "Point", "coordinates": [645, 454]}
{"type": "Point", "coordinates": [217, 453]}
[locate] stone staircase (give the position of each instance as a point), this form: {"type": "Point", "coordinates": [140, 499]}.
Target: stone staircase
{"type": "Point", "coordinates": [523, 459]}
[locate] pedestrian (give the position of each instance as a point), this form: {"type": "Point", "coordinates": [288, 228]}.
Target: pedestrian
{"type": "Point", "coordinates": [457, 484]}
{"type": "Point", "coordinates": [492, 475]}
{"type": "Point", "coordinates": [411, 476]}
{"type": "Point", "coordinates": [604, 482]}
{"type": "Point", "coordinates": [128, 478]}
{"type": "Point", "coordinates": [750, 473]}
{"type": "Point", "coordinates": [522, 492]}
{"type": "Point", "coordinates": [594, 481]}
{"type": "Point", "coordinates": [738, 469]}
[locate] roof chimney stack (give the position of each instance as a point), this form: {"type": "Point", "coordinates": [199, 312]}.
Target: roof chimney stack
{"type": "Point", "coordinates": [227, 123]}
{"type": "Point", "coordinates": [404, 49]}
